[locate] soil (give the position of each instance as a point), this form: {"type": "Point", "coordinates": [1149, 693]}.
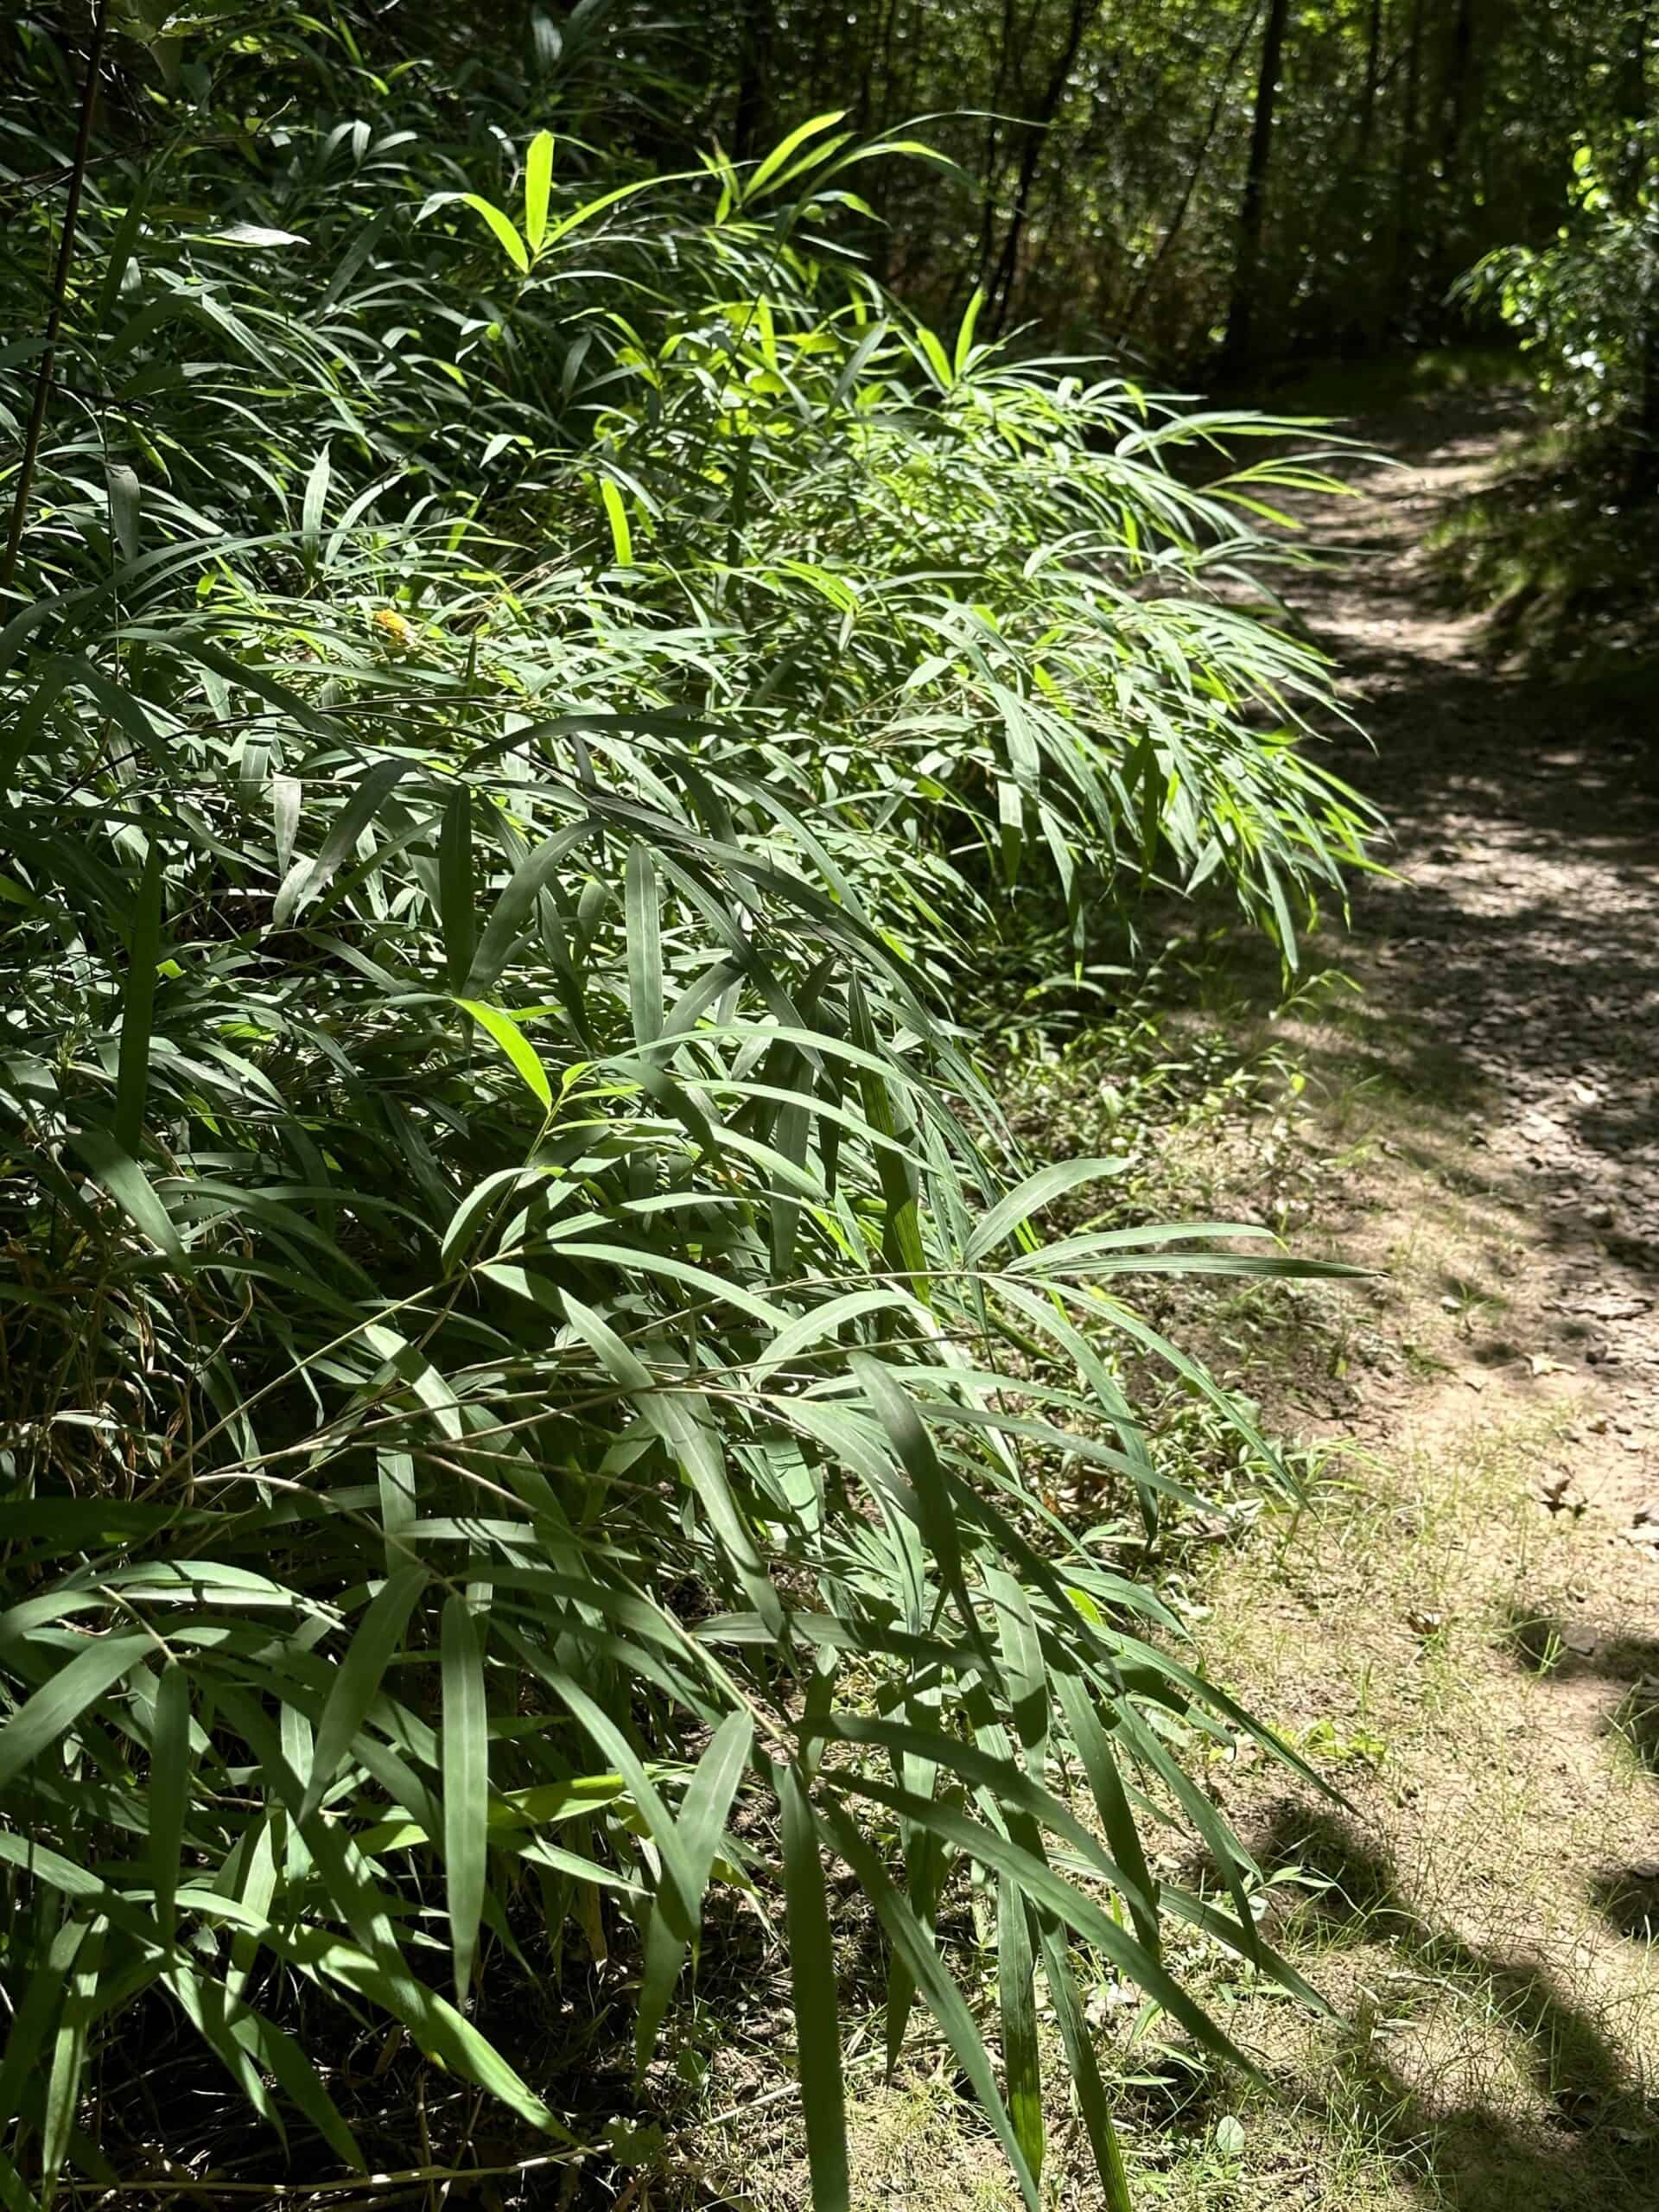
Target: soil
{"type": "Point", "coordinates": [1467, 1633]}
{"type": "Point", "coordinates": [1460, 1630]}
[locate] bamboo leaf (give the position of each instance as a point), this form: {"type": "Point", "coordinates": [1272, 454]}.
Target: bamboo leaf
{"type": "Point", "coordinates": [616, 514]}
{"type": "Point", "coordinates": [357, 1678]}
{"type": "Point", "coordinates": [1011, 1213]}
{"type": "Point", "coordinates": [511, 244]}
{"type": "Point", "coordinates": [456, 911]}
{"type": "Point", "coordinates": [44, 1718]}
{"type": "Point", "coordinates": [513, 1042]}
{"type": "Point", "coordinates": [138, 1004]}
{"type": "Point", "coordinates": [812, 1977]}
{"type": "Point", "coordinates": [538, 184]}
{"type": "Point", "coordinates": [313, 507]}
{"type": "Point", "coordinates": [1016, 1972]}
{"type": "Point", "coordinates": [465, 1785]}
{"type": "Point", "coordinates": [169, 1790]}
{"type": "Point", "coordinates": [644, 946]}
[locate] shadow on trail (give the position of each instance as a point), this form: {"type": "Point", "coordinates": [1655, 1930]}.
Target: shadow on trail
{"type": "Point", "coordinates": [1563, 1656]}
{"type": "Point", "coordinates": [1512, 964]}
{"type": "Point", "coordinates": [1594, 2141]}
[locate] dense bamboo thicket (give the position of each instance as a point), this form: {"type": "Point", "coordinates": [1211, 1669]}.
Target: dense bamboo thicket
{"type": "Point", "coordinates": [536, 691]}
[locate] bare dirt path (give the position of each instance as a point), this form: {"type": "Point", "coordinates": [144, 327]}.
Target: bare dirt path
{"type": "Point", "coordinates": [1465, 1632]}
{"type": "Point", "coordinates": [1461, 1631]}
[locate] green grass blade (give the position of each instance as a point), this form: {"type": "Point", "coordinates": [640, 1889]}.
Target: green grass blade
{"type": "Point", "coordinates": [169, 1790]}
{"type": "Point", "coordinates": [465, 1785]}
{"type": "Point", "coordinates": [817, 2018]}
{"type": "Point", "coordinates": [44, 1719]}
{"type": "Point", "coordinates": [644, 946]}
{"type": "Point", "coordinates": [357, 1678]}
{"type": "Point", "coordinates": [138, 1004]}
{"type": "Point", "coordinates": [1016, 1984]}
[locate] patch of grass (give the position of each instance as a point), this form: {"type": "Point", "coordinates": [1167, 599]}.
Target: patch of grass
{"type": "Point", "coordinates": [1563, 560]}
{"type": "Point", "coordinates": [1371, 387]}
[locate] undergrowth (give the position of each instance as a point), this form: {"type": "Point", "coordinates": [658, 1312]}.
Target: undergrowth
{"type": "Point", "coordinates": [536, 1385]}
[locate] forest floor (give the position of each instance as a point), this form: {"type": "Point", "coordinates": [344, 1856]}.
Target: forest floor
{"type": "Point", "coordinates": [1461, 1630]}
{"type": "Point", "coordinates": [1464, 1629]}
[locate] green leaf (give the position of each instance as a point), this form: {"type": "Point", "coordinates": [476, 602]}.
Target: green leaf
{"type": "Point", "coordinates": [125, 501]}
{"type": "Point", "coordinates": [315, 503]}
{"type": "Point", "coordinates": [511, 244]}
{"type": "Point", "coordinates": [1011, 1211]}
{"type": "Point", "coordinates": [761, 176]}
{"type": "Point", "coordinates": [437, 2028]}
{"type": "Point", "coordinates": [306, 878]}
{"type": "Point", "coordinates": [538, 183]}
{"type": "Point", "coordinates": [42, 1720]}
{"type": "Point", "coordinates": [514, 1043]}
{"type": "Point", "coordinates": [812, 1977]}
{"type": "Point", "coordinates": [695, 1446]}
{"type": "Point", "coordinates": [456, 910]}
{"type": "Point", "coordinates": [69, 2056]}
{"type": "Point", "coordinates": [169, 1789]}
{"type": "Point", "coordinates": [644, 946]}
{"type": "Point", "coordinates": [702, 1821]}
{"type": "Point", "coordinates": [935, 1515]}
{"type": "Point", "coordinates": [513, 908]}
{"type": "Point", "coordinates": [1077, 2041]}
{"type": "Point", "coordinates": [465, 1785]}
{"type": "Point", "coordinates": [965, 330]}
{"type": "Point", "coordinates": [1016, 1982]}
{"type": "Point", "coordinates": [943, 1998]}
{"type": "Point", "coordinates": [132, 1191]}
{"type": "Point", "coordinates": [138, 1004]}
{"type": "Point", "coordinates": [616, 514]}
{"type": "Point", "coordinates": [357, 1678]}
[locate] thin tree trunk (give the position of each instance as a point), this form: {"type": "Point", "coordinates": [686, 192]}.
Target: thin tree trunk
{"type": "Point", "coordinates": [1462, 65]}
{"type": "Point", "coordinates": [1459, 86]}
{"type": "Point", "coordinates": [1000, 291]}
{"type": "Point", "coordinates": [1368, 96]}
{"type": "Point", "coordinates": [1194, 173]}
{"type": "Point", "coordinates": [1246, 269]}
{"type": "Point", "coordinates": [1635, 104]}
{"type": "Point", "coordinates": [751, 125]}
{"type": "Point", "coordinates": [59, 291]}
{"type": "Point", "coordinates": [1402, 234]}
{"type": "Point", "coordinates": [994, 124]}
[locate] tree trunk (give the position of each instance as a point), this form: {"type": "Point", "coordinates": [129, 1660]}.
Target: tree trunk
{"type": "Point", "coordinates": [1000, 291]}
{"type": "Point", "coordinates": [994, 122]}
{"type": "Point", "coordinates": [1635, 107]}
{"type": "Point", "coordinates": [60, 294]}
{"type": "Point", "coordinates": [1368, 96]}
{"type": "Point", "coordinates": [752, 124]}
{"type": "Point", "coordinates": [1172, 229]}
{"type": "Point", "coordinates": [1240, 344]}
{"type": "Point", "coordinates": [1460, 99]}
{"type": "Point", "coordinates": [1402, 230]}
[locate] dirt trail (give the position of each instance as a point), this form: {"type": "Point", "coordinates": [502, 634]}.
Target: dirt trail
{"type": "Point", "coordinates": [1462, 1629]}
{"type": "Point", "coordinates": [1468, 1634]}
{"type": "Point", "coordinates": [1523, 942]}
